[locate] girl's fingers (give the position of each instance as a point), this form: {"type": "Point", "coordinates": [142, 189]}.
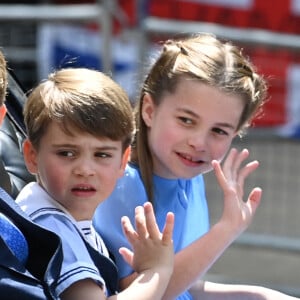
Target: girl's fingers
{"type": "Point", "coordinates": [246, 171]}
{"type": "Point", "coordinates": [254, 199]}
{"type": "Point", "coordinates": [228, 182]}
{"type": "Point", "coordinates": [233, 162]}
{"type": "Point", "coordinates": [219, 174]}
{"type": "Point", "coordinates": [227, 165]}
{"type": "Point", "coordinates": [239, 159]}
{"type": "Point", "coordinates": [232, 171]}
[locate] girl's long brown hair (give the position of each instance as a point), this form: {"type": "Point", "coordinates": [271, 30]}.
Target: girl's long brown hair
{"type": "Point", "coordinates": [201, 57]}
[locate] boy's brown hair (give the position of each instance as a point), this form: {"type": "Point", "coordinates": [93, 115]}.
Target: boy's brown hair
{"type": "Point", "coordinates": [79, 99]}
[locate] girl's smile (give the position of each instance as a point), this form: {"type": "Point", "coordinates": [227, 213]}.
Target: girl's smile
{"type": "Point", "coordinates": [189, 160]}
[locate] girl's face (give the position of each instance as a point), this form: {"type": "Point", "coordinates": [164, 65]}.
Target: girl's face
{"type": "Point", "coordinates": [79, 171]}
{"type": "Point", "coordinates": [190, 128]}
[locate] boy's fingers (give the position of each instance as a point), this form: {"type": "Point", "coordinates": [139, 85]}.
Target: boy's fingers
{"type": "Point", "coordinates": [126, 224]}
{"type": "Point", "coordinates": [127, 255]}
{"type": "Point", "coordinates": [140, 222]}
{"type": "Point", "coordinates": [128, 229]}
{"type": "Point", "coordinates": [151, 224]}
{"type": "Point", "coordinates": [146, 226]}
{"type": "Point", "coordinates": [167, 234]}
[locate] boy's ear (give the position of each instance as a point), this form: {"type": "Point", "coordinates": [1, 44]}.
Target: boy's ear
{"type": "Point", "coordinates": [2, 113]}
{"type": "Point", "coordinates": [148, 108]}
{"type": "Point", "coordinates": [125, 159]}
{"type": "Point", "coordinates": [30, 156]}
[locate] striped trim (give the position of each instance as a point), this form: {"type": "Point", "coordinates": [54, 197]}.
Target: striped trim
{"type": "Point", "coordinates": [75, 271]}
{"type": "Point", "coordinates": [44, 210]}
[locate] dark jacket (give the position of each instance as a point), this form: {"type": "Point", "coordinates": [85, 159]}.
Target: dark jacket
{"type": "Point", "coordinates": [37, 279]}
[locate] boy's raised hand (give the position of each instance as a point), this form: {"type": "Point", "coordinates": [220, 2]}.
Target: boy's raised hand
{"type": "Point", "coordinates": [151, 248]}
{"type": "Point", "coordinates": [237, 212]}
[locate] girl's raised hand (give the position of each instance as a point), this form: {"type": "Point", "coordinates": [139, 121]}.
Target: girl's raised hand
{"type": "Point", "coordinates": [237, 212]}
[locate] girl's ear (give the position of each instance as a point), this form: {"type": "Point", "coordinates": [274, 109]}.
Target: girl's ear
{"type": "Point", "coordinates": [30, 157]}
{"type": "Point", "coordinates": [148, 108]}
{"type": "Point", "coordinates": [125, 159]}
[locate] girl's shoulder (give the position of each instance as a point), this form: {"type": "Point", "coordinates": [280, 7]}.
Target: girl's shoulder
{"type": "Point", "coordinates": [132, 169]}
{"type": "Point", "coordinates": [131, 178]}
{"type": "Point", "coordinates": [129, 188]}
{"type": "Point", "coordinates": [199, 179]}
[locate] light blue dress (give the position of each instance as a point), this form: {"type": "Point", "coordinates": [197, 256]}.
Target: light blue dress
{"type": "Point", "coordinates": [185, 197]}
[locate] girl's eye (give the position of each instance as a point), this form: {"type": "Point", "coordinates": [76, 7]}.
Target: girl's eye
{"type": "Point", "coordinates": [220, 131]}
{"type": "Point", "coordinates": [185, 120]}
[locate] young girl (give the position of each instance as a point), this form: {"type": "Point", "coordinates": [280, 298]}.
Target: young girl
{"type": "Point", "coordinates": [198, 96]}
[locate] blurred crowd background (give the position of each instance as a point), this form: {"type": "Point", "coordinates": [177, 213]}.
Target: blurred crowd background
{"type": "Point", "coordinates": [120, 38]}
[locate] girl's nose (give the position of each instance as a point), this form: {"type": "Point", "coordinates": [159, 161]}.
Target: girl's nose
{"type": "Point", "coordinates": [198, 141]}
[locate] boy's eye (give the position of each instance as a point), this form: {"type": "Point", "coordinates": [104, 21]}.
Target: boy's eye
{"type": "Point", "coordinates": [66, 153]}
{"type": "Point", "coordinates": [102, 154]}
{"type": "Point", "coordinates": [220, 131]}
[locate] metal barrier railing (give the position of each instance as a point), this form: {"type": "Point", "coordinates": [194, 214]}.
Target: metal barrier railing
{"type": "Point", "coordinates": [99, 13]}
{"type": "Point", "coordinates": [247, 35]}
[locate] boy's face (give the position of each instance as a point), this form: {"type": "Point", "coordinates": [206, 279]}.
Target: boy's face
{"type": "Point", "coordinates": [78, 171]}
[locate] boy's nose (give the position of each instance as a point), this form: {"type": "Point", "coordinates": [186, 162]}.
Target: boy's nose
{"type": "Point", "coordinates": [84, 167]}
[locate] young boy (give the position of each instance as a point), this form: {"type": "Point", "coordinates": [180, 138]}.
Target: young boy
{"type": "Point", "coordinates": [30, 256]}
{"type": "Point", "coordinates": [80, 124]}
